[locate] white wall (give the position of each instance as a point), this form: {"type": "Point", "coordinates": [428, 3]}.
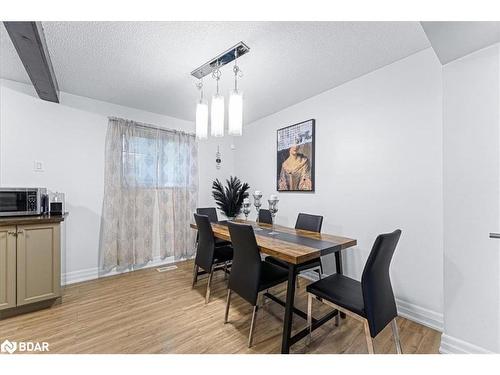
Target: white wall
{"type": "Point", "coordinates": [207, 166]}
{"type": "Point", "coordinates": [69, 139]}
{"type": "Point", "coordinates": [471, 91]}
{"type": "Point", "coordinates": [378, 168]}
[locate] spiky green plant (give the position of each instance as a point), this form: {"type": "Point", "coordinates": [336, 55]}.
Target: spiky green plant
{"type": "Point", "coordinates": [229, 198]}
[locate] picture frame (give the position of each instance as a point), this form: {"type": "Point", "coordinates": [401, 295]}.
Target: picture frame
{"type": "Point", "coordinates": [295, 157]}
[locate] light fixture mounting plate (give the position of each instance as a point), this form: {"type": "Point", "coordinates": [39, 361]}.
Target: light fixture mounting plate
{"type": "Point", "coordinates": [222, 59]}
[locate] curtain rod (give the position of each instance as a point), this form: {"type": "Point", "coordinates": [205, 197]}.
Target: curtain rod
{"type": "Point", "coordinates": [146, 125]}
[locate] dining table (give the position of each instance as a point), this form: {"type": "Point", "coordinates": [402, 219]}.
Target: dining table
{"type": "Point", "coordinates": [294, 247]}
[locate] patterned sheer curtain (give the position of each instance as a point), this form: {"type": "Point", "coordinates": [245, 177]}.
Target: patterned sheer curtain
{"type": "Point", "coordinates": [150, 192]}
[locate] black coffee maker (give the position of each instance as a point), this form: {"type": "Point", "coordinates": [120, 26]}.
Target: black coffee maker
{"type": "Point", "coordinates": [53, 203]}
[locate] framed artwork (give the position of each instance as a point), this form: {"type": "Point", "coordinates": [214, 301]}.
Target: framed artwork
{"type": "Point", "coordinates": [295, 157]}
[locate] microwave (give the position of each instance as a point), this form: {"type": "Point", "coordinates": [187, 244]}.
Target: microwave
{"type": "Point", "coordinates": [22, 201]}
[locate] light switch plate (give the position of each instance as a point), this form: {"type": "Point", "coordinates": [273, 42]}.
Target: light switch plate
{"type": "Point", "coordinates": [38, 166]}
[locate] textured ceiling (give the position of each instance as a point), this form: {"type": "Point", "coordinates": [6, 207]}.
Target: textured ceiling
{"type": "Point", "coordinates": [146, 65]}
{"type": "Point", "coordinates": [452, 40]}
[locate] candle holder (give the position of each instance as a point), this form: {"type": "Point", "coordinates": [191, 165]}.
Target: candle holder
{"type": "Point", "coordinates": [257, 203]}
{"type": "Point", "coordinates": [246, 209]}
{"type": "Point", "coordinates": [273, 209]}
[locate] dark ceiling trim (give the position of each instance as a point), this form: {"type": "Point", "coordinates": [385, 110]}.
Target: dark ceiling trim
{"type": "Point", "coordinates": [29, 40]}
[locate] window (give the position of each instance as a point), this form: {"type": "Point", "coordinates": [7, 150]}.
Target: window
{"type": "Point", "coordinates": [152, 160]}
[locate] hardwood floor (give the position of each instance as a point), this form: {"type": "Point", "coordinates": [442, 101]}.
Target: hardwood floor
{"type": "Point", "coordinates": [151, 312]}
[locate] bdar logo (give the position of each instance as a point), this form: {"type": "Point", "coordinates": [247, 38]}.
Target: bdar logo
{"type": "Point", "coordinates": [23, 346]}
{"type": "Point", "coordinates": [8, 347]}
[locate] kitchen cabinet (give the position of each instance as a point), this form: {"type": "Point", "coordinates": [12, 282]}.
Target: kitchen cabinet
{"type": "Point", "coordinates": [38, 262]}
{"type": "Point", "coordinates": [30, 261]}
{"type": "Point", "coordinates": [7, 267]}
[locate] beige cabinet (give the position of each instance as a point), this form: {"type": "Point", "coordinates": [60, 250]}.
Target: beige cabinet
{"type": "Point", "coordinates": [30, 263]}
{"type": "Point", "coordinates": [7, 267]}
{"type": "Point", "coordinates": [38, 262]}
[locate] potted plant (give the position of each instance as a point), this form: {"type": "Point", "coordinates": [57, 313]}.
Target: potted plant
{"type": "Point", "coordinates": [229, 198]}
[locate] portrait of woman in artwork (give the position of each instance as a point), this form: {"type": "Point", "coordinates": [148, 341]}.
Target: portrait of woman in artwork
{"type": "Point", "coordinates": [295, 157]}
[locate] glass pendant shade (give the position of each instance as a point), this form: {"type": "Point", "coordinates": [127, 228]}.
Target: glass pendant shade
{"type": "Point", "coordinates": [217, 116]}
{"type": "Point", "coordinates": [235, 113]}
{"type": "Point", "coordinates": [202, 120]}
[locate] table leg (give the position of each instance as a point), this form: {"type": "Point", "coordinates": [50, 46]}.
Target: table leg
{"type": "Point", "coordinates": [290, 296]}
{"type": "Point", "coordinates": [340, 271]}
{"type": "Point", "coordinates": [338, 262]}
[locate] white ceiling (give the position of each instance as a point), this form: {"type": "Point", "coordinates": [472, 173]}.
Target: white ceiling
{"type": "Point", "coordinates": [146, 65]}
{"type": "Point", "coordinates": [452, 40]}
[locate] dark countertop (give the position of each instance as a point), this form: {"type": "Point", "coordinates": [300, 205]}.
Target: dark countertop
{"type": "Point", "coordinates": [35, 219]}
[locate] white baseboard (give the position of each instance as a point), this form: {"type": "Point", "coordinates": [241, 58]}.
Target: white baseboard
{"type": "Point", "coordinates": [452, 345]}
{"type": "Point", "coordinates": [93, 273]}
{"type": "Point", "coordinates": [79, 276]}
{"type": "Point", "coordinates": [421, 315]}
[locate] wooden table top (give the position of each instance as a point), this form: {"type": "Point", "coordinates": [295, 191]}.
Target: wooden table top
{"type": "Point", "coordinates": [291, 245]}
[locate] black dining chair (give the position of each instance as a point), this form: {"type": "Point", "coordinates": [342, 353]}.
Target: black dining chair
{"type": "Point", "coordinates": [250, 276]}
{"type": "Point", "coordinates": [265, 216]}
{"type": "Point", "coordinates": [211, 212]}
{"type": "Point", "coordinates": [372, 300]}
{"type": "Point", "coordinates": [209, 258]}
{"type": "Point", "coordinates": [311, 223]}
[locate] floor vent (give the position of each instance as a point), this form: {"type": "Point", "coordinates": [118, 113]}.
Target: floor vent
{"type": "Point", "coordinates": [167, 268]}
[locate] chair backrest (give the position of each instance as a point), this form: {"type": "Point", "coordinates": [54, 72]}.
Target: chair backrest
{"type": "Point", "coordinates": [265, 216]}
{"type": "Point", "coordinates": [378, 297]}
{"type": "Point", "coordinates": [246, 266]}
{"type": "Point", "coordinates": [211, 212]}
{"type": "Point", "coordinates": [309, 222]}
{"type": "Point", "coordinates": [206, 242]}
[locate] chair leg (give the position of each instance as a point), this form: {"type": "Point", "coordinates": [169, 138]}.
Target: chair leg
{"type": "Point", "coordinates": [225, 270]}
{"type": "Point", "coordinates": [228, 301]}
{"type": "Point", "coordinates": [264, 299]}
{"type": "Point", "coordinates": [320, 272]}
{"type": "Point", "coordinates": [297, 285]}
{"type": "Point", "coordinates": [252, 326]}
{"type": "Point", "coordinates": [395, 333]}
{"type": "Point", "coordinates": [207, 296]}
{"type": "Point", "coordinates": [309, 316]}
{"type": "Point", "coordinates": [195, 275]}
{"type": "Point", "coordinates": [369, 341]}
{"type": "Point", "coordinates": [337, 319]}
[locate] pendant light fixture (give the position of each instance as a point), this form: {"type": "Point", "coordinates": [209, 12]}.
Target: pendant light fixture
{"type": "Point", "coordinates": [235, 108]}
{"type": "Point", "coordinates": [201, 115]}
{"type": "Point", "coordinates": [217, 108]}
{"type": "Point", "coordinates": [235, 103]}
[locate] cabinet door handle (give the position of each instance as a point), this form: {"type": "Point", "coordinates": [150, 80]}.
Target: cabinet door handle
{"type": "Point", "coordinates": [12, 233]}
{"type": "Point", "coordinates": [494, 235]}
{"type": "Point", "coordinates": [20, 231]}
